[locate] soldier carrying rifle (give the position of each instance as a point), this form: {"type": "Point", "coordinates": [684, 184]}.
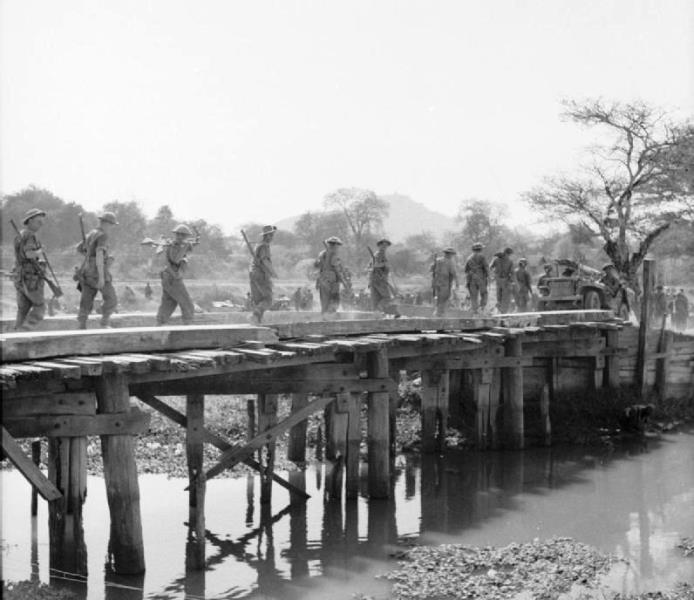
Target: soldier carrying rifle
{"type": "Point", "coordinates": [382, 290]}
{"type": "Point", "coordinates": [29, 272]}
{"type": "Point", "coordinates": [94, 275]}
{"type": "Point", "coordinates": [261, 273]}
{"type": "Point", "coordinates": [173, 291]}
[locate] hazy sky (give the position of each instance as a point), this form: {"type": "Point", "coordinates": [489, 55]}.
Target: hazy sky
{"type": "Point", "coordinates": [238, 111]}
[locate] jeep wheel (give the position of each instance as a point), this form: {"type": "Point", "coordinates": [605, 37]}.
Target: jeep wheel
{"type": "Point", "coordinates": [591, 300]}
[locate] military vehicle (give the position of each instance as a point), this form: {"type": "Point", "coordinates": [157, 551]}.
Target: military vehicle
{"type": "Point", "coordinates": [575, 286]}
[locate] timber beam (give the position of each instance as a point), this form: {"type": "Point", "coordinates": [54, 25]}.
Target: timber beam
{"type": "Point", "coordinates": [214, 439]}
{"type": "Point", "coordinates": [234, 455]}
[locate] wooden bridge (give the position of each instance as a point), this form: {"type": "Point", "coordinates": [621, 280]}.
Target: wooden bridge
{"type": "Point", "coordinates": [67, 385]}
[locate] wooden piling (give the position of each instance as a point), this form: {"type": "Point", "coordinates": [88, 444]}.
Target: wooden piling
{"type": "Point", "coordinates": [662, 364]}
{"type": "Point", "coordinates": [482, 391]}
{"type": "Point", "coordinates": [250, 413]}
{"type": "Point", "coordinates": [544, 416]}
{"type": "Point", "coordinates": [296, 449]}
{"type": "Point", "coordinates": [641, 360]}
{"type": "Point", "coordinates": [353, 445]}
{"type": "Point", "coordinates": [267, 418]}
{"type": "Point", "coordinates": [67, 470]}
{"type": "Point", "coordinates": [612, 358]}
{"type": "Point", "coordinates": [513, 396]}
{"type": "Point", "coordinates": [126, 546]}
{"type": "Point", "coordinates": [195, 435]}
{"type": "Point", "coordinates": [36, 459]}
{"type": "Point", "coordinates": [434, 409]}
{"type": "Point", "coordinates": [378, 428]}
{"type": "Point", "coordinates": [337, 438]}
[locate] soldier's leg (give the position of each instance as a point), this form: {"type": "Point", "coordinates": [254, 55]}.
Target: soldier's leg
{"type": "Point", "coordinates": [23, 308]}
{"type": "Point", "coordinates": [37, 310]}
{"type": "Point", "coordinates": [474, 290]}
{"type": "Point", "coordinates": [186, 304]}
{"type": "Point", "coordinates": [86, 304]}
{"type": "Point", "coordinates": [484, 294]}
{"type": "Point", "coordinates": [108, 294]}
{"type": "Point", "coordinates": [166, 306]}
{"type": "Point", "coordinates": [324, 295]}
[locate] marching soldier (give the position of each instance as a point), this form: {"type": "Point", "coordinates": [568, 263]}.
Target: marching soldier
{"type": "Point", "coordinates": [380, 286]}
{"type": "Point", "coordinates": [261, 274]}
{"type": "Point", "coordinates": [331, 274]}
{"type": "Point", "coordinates": [681, 313]}
{"type": "Point", "coordinates": [28, 273]}
{"type": "Point", "coordinates": [443, 278]}
{"type": "Point", "coordinates": [95, 275]}
{"type": "Point", "coordinates": [477, 276]}
{"type": "Point", "coordinates": [173, 290]}
{"type": "Point", "coordinates": [502, 265]}
{"type": "Point", "coordinates": [523, 285]}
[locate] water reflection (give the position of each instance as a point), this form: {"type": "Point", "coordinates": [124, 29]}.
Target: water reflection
{"type": "Point", "coordinates": [635, 501]}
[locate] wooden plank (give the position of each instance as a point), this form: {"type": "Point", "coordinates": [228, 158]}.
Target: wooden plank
{"type": "Point", "coordinates": [80, 403]}
{"type": "Point", "coordinates": [65, 371]}
{"type": "Point", "coordinates": [234, 455]}
{"type": "Point", "coordinates": [27, 468]}
{"type": "Point", "coordinates": [214, 439]}
{"type": "Point", "coordinates": [88, 368]}
{"type": "Point", "coordinates": [120, 474]}
{"type": "Point", "coordinates": [37, 345]}
{"type": "Point", "coordinates": [121, 423]}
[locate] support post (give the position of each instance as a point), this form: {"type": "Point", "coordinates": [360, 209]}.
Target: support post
{"type": "Point", "coordinates": [544, 416]}
{"type": "Point", "coordinates": [612, 358]}
{"type": "Point", "coordinates": [379, 428]}
{"type": "Point", "coordinates": [250, 412]}
{"type": "Point", "coordinates": [434, 409]}
{"type": "Point", "coordinates": [126, 548]}
{"type": "Point", "coordinates": [513, 396]}
{"type": "Point", "coordinates": [337, 434]}
{"type": "Point", "coordinates": [641, 360]}
{"type": "Point", "coordinates": [267, 418]}
{"type": "Point", "coordinates": [353, 445]}
{"type": "Point", "coordinates": [296, 449]}
{"type": "Point", "coordinates": [494, 402]}
{"type": "Point", "coordinates": [36, 458]}
{"type": "Point", "coordinates": [67, 470]}
{"type": "Point", "coordinates": [195, 431]}
{"type": "Point", "coordinates": [482, 390]}
{"type": "Point", "coordinates": [662, 366]}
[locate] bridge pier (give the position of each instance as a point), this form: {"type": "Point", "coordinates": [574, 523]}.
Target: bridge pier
{"type": "Point", "coordinates": [126, 548]}
{"type": "Point", "coordinates": [336, 439]}
{"type": "Point", "coordinates": [512, 380]}
{"type": "Point", "coordinates": [195, 414]}
{"type": "Point", "coordinates": [267, 418]}
{"type": "Point", "coordinates": [434, 409]}
{"type": "Point", "coordinates": [379, 428]}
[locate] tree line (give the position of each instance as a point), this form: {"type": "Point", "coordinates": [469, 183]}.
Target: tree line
{"type": "Point", "coordinates": [634, 195]}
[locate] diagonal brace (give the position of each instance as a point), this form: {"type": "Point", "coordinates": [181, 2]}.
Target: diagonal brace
{"type": "Point", "coordinates": [240, 453]}
{"type": "Point", "coordinates": [216, 441]}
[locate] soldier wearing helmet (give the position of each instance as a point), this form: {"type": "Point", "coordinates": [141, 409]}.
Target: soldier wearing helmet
{"type": "Point", "coordinates": [443, 277]}
{"type": "Point", "coordinates": [502, 266]}
{"type": "Point", "coordinates": [94, 275]}
{"type": "Point", "coordinates": [331, 274]}
{"type": "Point", "coordinates": [173, 290]}
{"type": "Point", "coordinates": [477, 277]}
{"type": "Point", "coordinates": [610, 279]}
{"type": "Point", "coordinates": [28, 275]}
{"type": "Point", "coordinates": [523, 285]}
{"type": "Point", "coordinates": [261, 274]}
{"type": "Point", "coordinates": [379, 284]}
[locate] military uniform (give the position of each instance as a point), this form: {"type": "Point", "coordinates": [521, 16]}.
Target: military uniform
{"type": "Point", "coordinates": [96, 243]}
{"type": "Point", "coordinates": [681, 313]}
{"type": "Point", "coordinates": [523, 287]}
{"type": "Point", "coordinates": [502, 265]}
{"type": "Point", "coordinates": [261, 274]}
{"type": "Point", "coordinates": [173, 291]}
{"type": "Point", "coordinates": [443, 276]}
{"type": "Point", "coordinates": [659, 307]}
{"type": "Point", "coordinates": [28, 277]}
{"type": "Point", "coordinates": [330, 275]}
{"type": "Point", "coordinates": [381, 295]}
{"type": "Point", "coordinates": [477, 278]}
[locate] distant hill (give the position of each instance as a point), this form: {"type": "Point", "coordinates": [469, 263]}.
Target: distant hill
{"type": "Point", "coordinates": [405, 217]}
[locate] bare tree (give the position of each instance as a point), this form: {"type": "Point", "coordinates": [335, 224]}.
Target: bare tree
{"type": "Point", "coordinates": [635, 187]}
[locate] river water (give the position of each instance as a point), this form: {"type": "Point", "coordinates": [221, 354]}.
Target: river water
{"type": "Point", "coordinates": [635, 501]}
